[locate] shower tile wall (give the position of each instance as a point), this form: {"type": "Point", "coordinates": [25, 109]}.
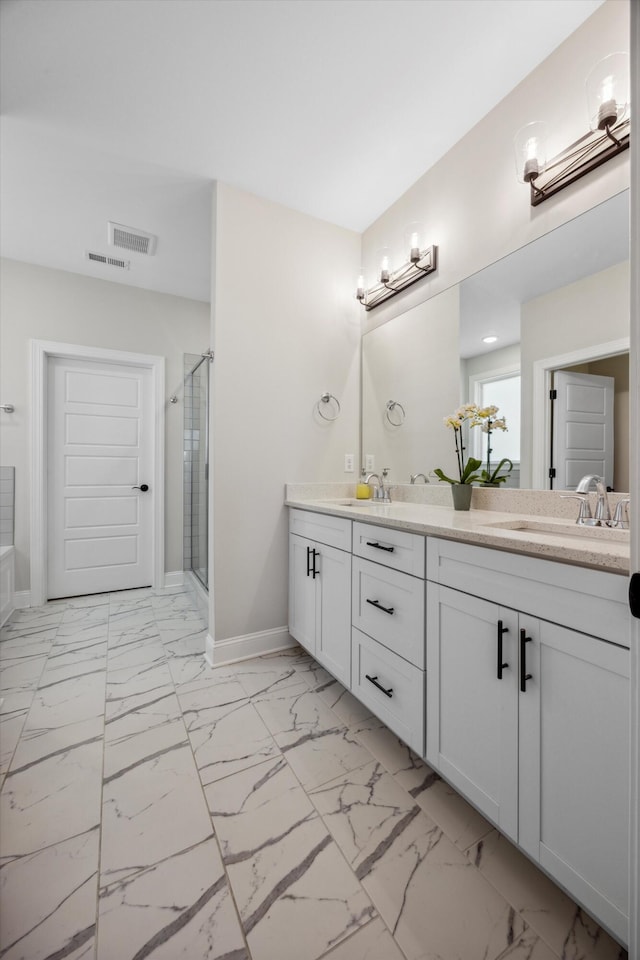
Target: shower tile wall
{"type": "Point", "coordinates": [191, 423]}
{"type": "Point", "coordinates": [7, 505]}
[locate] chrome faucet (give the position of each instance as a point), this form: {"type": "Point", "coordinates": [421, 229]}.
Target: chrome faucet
{"type": "Point", "coordinates": [415, 476]}
{"type": "Point", "coordinates": [380, 493]}
{"type": "Point", "coordinates": [602, 514]}
{"type": "Point", "coordinates": [621, 515]}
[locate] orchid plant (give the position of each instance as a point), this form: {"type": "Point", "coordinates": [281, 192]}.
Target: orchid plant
{"type": "Point", "coordinates": [485, 418]}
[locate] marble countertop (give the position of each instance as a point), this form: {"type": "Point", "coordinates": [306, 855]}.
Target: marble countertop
{"type": "Point", "coordinates": [563, 540]}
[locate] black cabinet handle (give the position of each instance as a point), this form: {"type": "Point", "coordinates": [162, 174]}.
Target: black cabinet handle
{"type": "Point", "coordinates": [524, 676]}
{"type": "Point", "coordinates": [314, 554]}
{"type": "Point", "coordinates": [308, 560]}
{"type": "Point", "coordinates": [378, 606]}
{"type": "Point", "coordinates": [374, 681]}
{"type": "Point", "coordinates": [379, 546]}
{"type": "Point", "coordinates": [501, 632]}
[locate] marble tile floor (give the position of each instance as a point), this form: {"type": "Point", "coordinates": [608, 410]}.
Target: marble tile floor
{"type": "Point", "coordinates": [152, 807]}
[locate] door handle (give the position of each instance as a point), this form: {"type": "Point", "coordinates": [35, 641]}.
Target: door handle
{"type": "Point", "coordinates": [524, 676]}
{"type": "Point", "coordinates": [143, 486]}
{"type": "Point", "coordinates": [501, 632]}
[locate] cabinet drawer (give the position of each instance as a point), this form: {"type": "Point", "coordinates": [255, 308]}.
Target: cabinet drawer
{"type": "Point", "coordinates": [389, 606]}
{"type": "Point", "coordinates": [397, 549]}
{"type": "Point", "coordinates": [402, 706]}
{"type": "Point", "coordinates": [322, 527]}
{"type": "Point", "coordinates": [591, 601]}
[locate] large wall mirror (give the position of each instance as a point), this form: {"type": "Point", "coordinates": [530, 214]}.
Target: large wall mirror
{"type": "Point", "coordinates": [542, 334]}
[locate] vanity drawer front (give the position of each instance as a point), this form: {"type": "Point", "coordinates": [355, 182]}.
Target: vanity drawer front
{"type": "Point", "coordinates": [397, 549]}
{"type": "Point", "coordinates": [389, 606]}
{"type": "Point", "coordinates": [401, 707]}
{"type": "Point", "coordinates": [322, 527]}
{"type": "Point", "coordinates": [590, 601]}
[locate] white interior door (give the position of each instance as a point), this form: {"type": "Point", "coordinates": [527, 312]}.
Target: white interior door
{"type": "Point", "coordinates": [99, 449]}
{"type": "Point", "coordinates": [582, 428]}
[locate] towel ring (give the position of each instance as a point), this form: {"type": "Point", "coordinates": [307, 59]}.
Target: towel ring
{"type": "Point", "coordinates": [327, 398]}
{"type": "Point", "coordinates": [393, 405]}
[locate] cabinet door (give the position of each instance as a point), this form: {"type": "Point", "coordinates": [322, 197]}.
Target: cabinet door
{"type": "Point", "coordinates": [303, 612]}
{"type": "Point", "coordinates": [472, 712]}
{"type": "Point", "coordinates": [333, 640]}
{"type": "Point", "coordinates": [574, 760]}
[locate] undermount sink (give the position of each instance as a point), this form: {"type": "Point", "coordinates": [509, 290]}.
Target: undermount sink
{"type": "Point", "coordinates": [563, 529]}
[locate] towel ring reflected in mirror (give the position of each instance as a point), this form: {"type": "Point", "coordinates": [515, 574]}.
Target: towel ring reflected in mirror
{"type": "Point", "coordinates": [395, 413]}
{"type": "Point", "coordinates": [326, 399]}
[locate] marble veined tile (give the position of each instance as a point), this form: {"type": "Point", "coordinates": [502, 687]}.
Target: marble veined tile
{"type": "Point", "coordinates": [399, 759]}
{"type": "Point", "coordinates": [13, 713]}
{"type": "Point", "coordinates": [31, 619]}
{"type": "Point", "coordinates": [460, 821]}
{"type": "Point", "coordinates": [317, 744]}
{"type": "Point", "coordinates": [183, 625]}
{"type": "Point", "coordinates": [139, 649]}
{"type": "Point", "coordinates": [529, 946]}
{"type": "Point", "coordinates": [61, 699]}
{"type": "Point", "coordinates": [365, 810]}
{"type": "Point", "coordinates": [15, 647]}
{"type": "Point", "coordinates": [371, 942]}
{"type": "Point", "coordinates": [177, 908]}
{"type": "Point", "coordinates": [48, 901]}
{"type": "Point", "coordinates": [567, 929]}
{"type": "Point", "coordinates": [188, 669]}
{"type": "Point", "coordinates": [296, 895]}
{"type": "Point", "coordinates": [270, 674]}
{"type": "Point", "coordinates": [434, 901]}
{"type": "Point", "coordinates": [23, 674]}
{"type": "Point", "coordinates": [51, 792]}
{"type": "Point", "coordinates": [225, 730]}
{"type": "Point", "coordinates": [343, 703]}
{"type": "Point", "coordinates": [130, 596]}
{"type": "Point", "coordinates": [134, 714]}
{"type": "Point", "coordinates": [153, 804]}
{"type": "Point", "coordinates": [83, 617]}
{"type": "Point", "coordinates": [132, 622]}
{"type": "Point", "coordinates": [172, 602]}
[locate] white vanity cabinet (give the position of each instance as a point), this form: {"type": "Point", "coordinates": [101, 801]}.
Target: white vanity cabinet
{"type": "Point", "coordinates": [388, 616]}
{"type": "Point", "coordinates": [320, 589]}
{"type": "Point", "coordinates": [528, 710]}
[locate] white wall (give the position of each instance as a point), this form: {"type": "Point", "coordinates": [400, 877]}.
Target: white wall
{"type": "Point", "coordinates": [43, 304]}
{"type": "Point", "coordinates": [583, 314]}
{"type": "Point", "coordinates": [286, 328]}
{"type": "Point", "coordinates": [473, 207]}
{"type": "Point", "coordinates": [408, 361]}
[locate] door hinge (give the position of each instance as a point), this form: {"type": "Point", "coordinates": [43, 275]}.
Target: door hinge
{"type": "Point", "coordinates": [552, 473]}
{"type": "Point", "coordinates": [553, 394]}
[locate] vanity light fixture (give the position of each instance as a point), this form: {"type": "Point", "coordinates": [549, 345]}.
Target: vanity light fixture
{"type": "Point", "coordinates": [608, 110]}
{"type": "Point", "coordinates": [422, 261]}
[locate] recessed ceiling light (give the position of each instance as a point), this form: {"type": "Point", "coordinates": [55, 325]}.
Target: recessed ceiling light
{"type": "Point", "coordinates": [490, 339]}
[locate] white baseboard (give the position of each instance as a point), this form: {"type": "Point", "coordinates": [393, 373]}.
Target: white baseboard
{"type": "Point", "coordinates": [247, 647]}
{"type": "Point", "coordinates": [198, 592]}
{"type": "Point", "coordinates": [21, 599]}
{"type": "Point", "coordinates": [174, 578]}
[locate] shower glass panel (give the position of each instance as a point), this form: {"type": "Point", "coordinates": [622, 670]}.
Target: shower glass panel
{"type": "Point", "coordinates": [196, 467]}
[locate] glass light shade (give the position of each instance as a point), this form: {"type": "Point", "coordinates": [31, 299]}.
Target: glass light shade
{"type": "Point", "coordinates": [608, 91]}
{"type": "Point", "coordinates": [414, 235]}
{"type": "Point", "coordinates": [360, 286]}
{"type": "Point", "coordinates": [384, 261]}
{"type": "Point", "coordinates": [530, 149]}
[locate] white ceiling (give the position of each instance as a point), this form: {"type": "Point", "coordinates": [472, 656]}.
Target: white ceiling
{"type": "Point", "coordinates": [128, 109]}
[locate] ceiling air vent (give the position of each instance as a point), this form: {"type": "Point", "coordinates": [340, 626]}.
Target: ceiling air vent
{"type": "Point", "coordinates": [108, 261]}
{"type": "Point", "coordinates": [139, 241]}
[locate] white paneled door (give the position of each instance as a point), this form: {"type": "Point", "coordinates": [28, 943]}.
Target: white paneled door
{"type": "Point", "coordinates": [582, 428]}
{"type": "Point", "coordinates": [99, 455]}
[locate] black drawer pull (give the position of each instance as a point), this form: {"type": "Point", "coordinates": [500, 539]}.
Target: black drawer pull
{"type": "Point", "coordinates": [378, 606]}
{"type": "Point", "coordinates": [374, 681]}
{"type": "Point", "coordinates": [524, 676]}
{"type": "Point", "coordinates": [501, 632]}
{"type": "Point", "coordinates": [379, 546]}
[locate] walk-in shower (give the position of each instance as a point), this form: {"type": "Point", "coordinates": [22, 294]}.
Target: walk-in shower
{"type": "Point", "coordinates": [196, 465]}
